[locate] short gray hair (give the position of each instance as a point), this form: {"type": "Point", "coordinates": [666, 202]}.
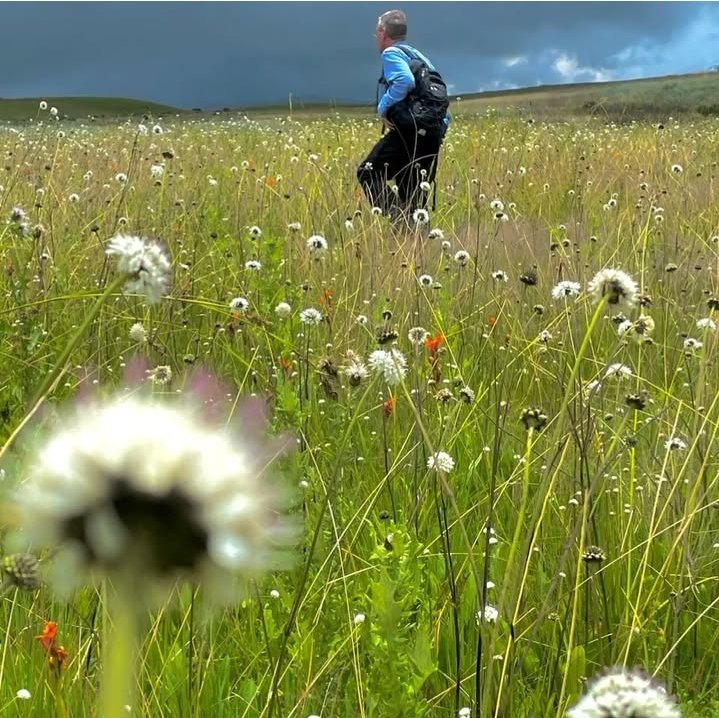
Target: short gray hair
{"type": "Point", "coordinates": [394, 23]}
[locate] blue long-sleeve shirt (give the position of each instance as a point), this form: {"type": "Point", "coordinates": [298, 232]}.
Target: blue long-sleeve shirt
{"type": "Point", "coordinates": [399, 77]}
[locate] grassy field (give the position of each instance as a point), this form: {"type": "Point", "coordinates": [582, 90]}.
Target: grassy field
{"type": "Point", "coordinates": [502, 583]}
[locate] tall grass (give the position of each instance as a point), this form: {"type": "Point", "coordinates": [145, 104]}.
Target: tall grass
{"type": "Point", "coordinates": [519, 525]}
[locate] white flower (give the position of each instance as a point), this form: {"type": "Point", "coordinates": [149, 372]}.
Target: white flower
{"type": "Point", "coordinates": [618, 371]}
{"type": "Point", "coordinates": [349, 226]}
{"type": "Point", "coordinates": [157, 170]}
{"type": "Point", "coordinates": [138, 333]}
{"type": "Point", "coordinates": [497, 205]}
{"type": "Point", "coordinates": [74, 197]}
{"type": "Point", "coordinates": [361, 319]}
{"type": "Point", "coordinates": [425, 280]}
{"type": "Point", "coordinates": [465, 712]}
{"type": "Point", "coordinates": [690, 343]}
{"type": "Point", "coordinates": [253, 265]}
{"type": "Point", "coordinates": [294, 226]}
{"type": "Point", "coordinates": [640, 330]}
{"type": "Point", "coordinates": [239, 304]}
{"type": "Point", "coordinates": [43, 105]}
{"type": "Point", "coordinates": [678, 169]}
{"type": "Point", "coordinates": [436, 234]}
{"type": "Point", "coordinates": [490, 614]}
{"type": "Point", "coordinates": [440, 461]}
{"type": "Point", "coordinates": [121, 177]}
{"type": "Point", "coordinates": [311, 316]}
{"type": "Point", "coordinates": [391, 365]}
{"type": "Point", "coordinates": [420, 216]}
{"type": "Point", "coordinates": [156, 130]}
{"type": "Point", "coordinates": [144, 262]}
{"type": "Point", "coordinates": [359, 619]}
{"type": "Point", "coordinates": [255, 232]}
{"type": "Point", "coordinates": [625, 694]}
{"type": "Point", "coordinates": [356, 372]}
{"type": "Point", "coordinates": [499, 276]}
{"type": "Point", "coordinates": [274, 593]}
{"type": "Point", "coordinates": [674, 443]}
{"type": "Point", "coordinates": [418, 336]}
{"type": "Point", "coordinates": [545, 336]}
{"type": "Point", "coordinates": [136, 488]}
{"type": "Point", "coordinates": [566, 289]}
{"type": "Point", "coordinates": [317, 244]}
{"type": "Point", "coordinates": [53, 111]}
{"type": "Point", "coordinates": [376, 211]}
{"type": "Point", "coordinates": [706, 323]}
{"type": "Point", "coordinates": [617, 286]}
{"type": "Point", "coordinates": [461, 257]}
{"type": "Point", "coordinates": [283, 310]}
{"type": "Point", "coordinates": [24, 694]}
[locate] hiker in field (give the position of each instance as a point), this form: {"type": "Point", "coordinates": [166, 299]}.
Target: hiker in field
{"type": "Point", "coordinates": [412, 104]}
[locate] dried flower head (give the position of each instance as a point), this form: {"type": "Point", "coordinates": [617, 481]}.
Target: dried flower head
{"type": "Point", "coordinates": [533, 419]}
{"type": "Point", "coordinates": [593, 554]}
{"type": "Point", "coordinates": [21, 570]}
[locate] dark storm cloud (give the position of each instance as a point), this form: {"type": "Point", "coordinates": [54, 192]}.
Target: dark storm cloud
{"type": "Point", "coordinates": [215, 54]}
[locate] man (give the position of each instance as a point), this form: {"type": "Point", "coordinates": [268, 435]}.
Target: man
{"type": "Point", "coordinates": [408, 150]}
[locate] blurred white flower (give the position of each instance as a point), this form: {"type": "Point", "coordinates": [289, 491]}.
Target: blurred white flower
{"type": "Point", "coordinates": [617, 286]}
{"type": "Point", "coordinates": [440, 461]}
{"type": "Point", "coordinates": [391, 365]}
{"type": "Point", "coordinates": [283, 310]}
{"type": "Point", "coordinates": [566, 289]}
{"type": "Point", "coordinates": [311, 316]}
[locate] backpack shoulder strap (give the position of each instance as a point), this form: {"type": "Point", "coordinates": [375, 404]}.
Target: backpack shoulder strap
{"type": "Point", "coordinates": [411, 54]}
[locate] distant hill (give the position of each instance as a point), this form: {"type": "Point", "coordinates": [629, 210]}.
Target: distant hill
{"type": "Point", "coordinates": [76, 108]}
{"type": "Point", "coordinates": [654, 97]}
{"type": "Point", "coordinates": [648, 98]}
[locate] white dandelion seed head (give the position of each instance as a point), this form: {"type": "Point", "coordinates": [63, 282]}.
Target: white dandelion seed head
{"type": "Point", "coordinates": [440, 461]}
{"type": "Point", "coordinates": [692, 344]}
{"type": "Point", "coordinates": [499, 276]}
{"type": "Point", "coordinates": [311, 316]}
{"type": "Point", "coordinates": [138, 333]}
{"type": "Point", "coordinates": [156, 130]}
{"type": "Point", "coordinates": [425, 280]}
{"type": "Point", "coordinates": [623, 693]}
{"type": "Point", "coordinates": [294, 227]}
{"type": "Point", "coordinates": [239, 304]}
{"type": "Point", "coordinates": [706, 324]}
{"type": "Point", "coordinates": [253, 265]}
{"type": "Point", "coordinates": [677, 169]}
{"type": "Point", "coordinates": [436, 234]}
{"type": "Point", "coordinates": [497, 205]}
{"type": "Point", "coordinates": [317, 244]}
{"type": "Point", "coordinates": [566, 289]}
{"type": "Point", "coordinates": [74, 197]}
{"type": "Point", "coordinates": [121, 177]}
{"type": "Point", "coordinates": [356, 371]}
{"type": "Point", "coordinates": [134, 486]}
{"type": "Point", "coordinates": [43, 105]}
{"type": "Point", "coordinates": [617, 286]}
{"type": "Point", "coordinates": [255, 232]}
{"type": "Point", "coordinates": [157, 170]}
{"type": "Point", "coordinates": [420, 216]}
{"type": "Point", "coordinates": [145, 264]}
{"type": "Point", "coordinates": [390, 364]}
{"type": "Point", "coordinates": [283, 310]}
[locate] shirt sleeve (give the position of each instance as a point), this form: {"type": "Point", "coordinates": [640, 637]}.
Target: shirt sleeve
{"type": "Point", "coordinates": [400, 81]}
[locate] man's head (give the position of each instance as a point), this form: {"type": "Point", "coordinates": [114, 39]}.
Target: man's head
{"type": "Point", "coordinates": [391, 26]}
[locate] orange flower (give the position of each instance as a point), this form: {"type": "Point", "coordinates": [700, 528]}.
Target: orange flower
{"type": "Point", "coordinates": [388, 405]}
{"type": "Point", "coordinates": [434, 343]}
{"type": "Point", "coordinates": [491, 322]}
{"type": "Point", "coordinates": [271, 181]}
{"type": "Point", "coordinates": [47, 637]}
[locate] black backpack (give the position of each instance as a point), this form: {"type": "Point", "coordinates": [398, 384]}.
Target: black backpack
{"type": "Point", "coordinates": [425, 107]}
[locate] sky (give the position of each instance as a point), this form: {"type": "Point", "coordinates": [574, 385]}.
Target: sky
{"type": "Point", "coordinates": [237, 54]}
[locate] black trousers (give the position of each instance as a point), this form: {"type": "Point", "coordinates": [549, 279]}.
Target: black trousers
{"type": "Point", "coordinates": [408, 158]}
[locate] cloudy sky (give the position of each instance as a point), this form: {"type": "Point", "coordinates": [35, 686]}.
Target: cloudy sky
{"type": "Point", "coordinates": [214, 54]}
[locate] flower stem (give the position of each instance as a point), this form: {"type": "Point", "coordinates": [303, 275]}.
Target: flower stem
{"type": "Point", "coordinates": [119, 654]}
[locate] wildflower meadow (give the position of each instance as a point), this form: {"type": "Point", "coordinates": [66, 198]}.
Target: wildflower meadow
{"type": "Point", "coordinates": [267, 454]}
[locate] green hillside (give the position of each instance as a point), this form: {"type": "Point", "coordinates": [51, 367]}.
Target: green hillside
{"type": "Point", "coordinates": [76, 108]}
